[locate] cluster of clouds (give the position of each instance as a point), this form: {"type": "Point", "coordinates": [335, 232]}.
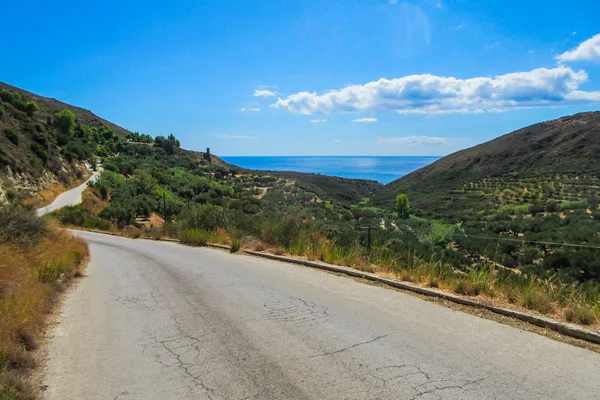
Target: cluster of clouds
{"type": "Point", "coordinates": [432, 94]}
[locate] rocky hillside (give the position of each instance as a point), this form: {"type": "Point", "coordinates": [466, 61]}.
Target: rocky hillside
{"type": "Point", "coordinates": [44, 143]}
{"type": "Point", "coordinates": [567, 148]}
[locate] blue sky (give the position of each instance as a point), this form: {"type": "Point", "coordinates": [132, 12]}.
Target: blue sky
{"type": "Point", "coordinates": [310, 77]}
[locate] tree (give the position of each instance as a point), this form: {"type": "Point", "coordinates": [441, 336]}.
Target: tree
{"type": "Point", "coordinates": [64, 120]}
{"type": "Point", "coordinates": [207, 155]}
{"type": "Point", "coordinates": [402, 206]}
{"type": "Point", "coordinates": [31, 108]}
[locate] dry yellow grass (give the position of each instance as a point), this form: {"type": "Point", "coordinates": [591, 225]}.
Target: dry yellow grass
{"type": "Point", "coordinates": [30, 278]}
{"type": "Point", "coordinates": [92, 201]}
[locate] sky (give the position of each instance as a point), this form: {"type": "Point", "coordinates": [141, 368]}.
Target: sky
{"type": "Point", "coordinates": [311, 77]}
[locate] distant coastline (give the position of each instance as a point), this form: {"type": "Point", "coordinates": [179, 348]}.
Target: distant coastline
{"type": "Point", "coordinates": [383, 169]}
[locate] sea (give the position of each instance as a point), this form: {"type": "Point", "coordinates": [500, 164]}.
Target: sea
{"type": "Point", "coordinates": [381, 169]}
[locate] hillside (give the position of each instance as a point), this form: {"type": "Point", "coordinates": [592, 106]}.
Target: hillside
{"type": "Point", "coordinates": [566, 149]}
{"type": "Point", "coordinates": [48, 107]}
{"type": "Point", "coordinates": [333, 188]}
{"type": "Point", "coordinates": [44, 144]}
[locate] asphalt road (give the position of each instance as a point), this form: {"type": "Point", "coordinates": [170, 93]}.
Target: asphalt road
{"type": "Point", "coordinates": [157, 320]}
{"type": "Point", "coordinates": [71, 197]}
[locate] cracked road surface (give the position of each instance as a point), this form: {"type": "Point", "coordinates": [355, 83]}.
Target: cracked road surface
{"type": "Point", "coordinates": [157, 320]}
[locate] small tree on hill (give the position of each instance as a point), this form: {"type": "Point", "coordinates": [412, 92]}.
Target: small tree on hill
{"type": "Point", "coordinates": [402, 206]}
{"type": "Point", "coordinates": [31, 108]}
{"type": "Point", "coordinates": [64, 120]}
{"type": "Point", "coordinates": [207, 155]}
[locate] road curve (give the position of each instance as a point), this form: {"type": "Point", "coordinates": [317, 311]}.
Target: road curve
{"type": "Point", "coordinates": [71, 197]}
{"type": "Point", "coordinates": [157, 320]}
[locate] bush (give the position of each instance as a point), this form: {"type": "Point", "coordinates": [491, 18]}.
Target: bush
{"type": "Point", "coordinates": [236, 245]}
{"type": "Point", "coordinates": [31, 108]}
{"type": "Point", "coordinates": [21, 225]}
{"type": "Point", "coordinates": [206, 217]}
{"type": "Point", "coordinates": [538, 301]}
{"type": "Point", "coordinates": [579, 314]}
{"type": "Point", "coordinates": [12, 136]}
{"type": "Point", "coordinates": [121, 214]}
{"type": "Point", "coordinates": [39, 151]}
{"type": "Point", "coordinates": [94, 222]}
{"type": "Point", "coordinates": [71, 215]}
{"type": "Point", "coordinates": [65, 120]}
{"type": "Point", "coordinates": [466, 287]}
{"type": "Point", "coordinates": [194, 237]}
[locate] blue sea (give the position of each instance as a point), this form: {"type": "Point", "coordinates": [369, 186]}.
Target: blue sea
{"type": "Point", "coordinates": [382, 169]}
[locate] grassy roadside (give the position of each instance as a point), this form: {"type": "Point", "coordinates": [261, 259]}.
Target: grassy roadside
{"type": "Point", "coordinates": [38, 262]}
{"type": "Point", "coordinates": [579, 304]}
{"type": "Point", "coordinates": [573, 303]}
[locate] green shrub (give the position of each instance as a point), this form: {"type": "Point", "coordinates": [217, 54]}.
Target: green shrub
{"type": "Point", "coordinates": [236, 245]}
{"type": "Point", "coordinates": [39, 151]}
{"type": "Point", "coordinates": [94, 222]}
{"type": "Point", "coordinates": [31, 108]}
{"type": "Point", "coordinates": [207, 217]}
{"type": "Point", "coordinates": [71, 215]}
{"type": "Point", "coordinates": [194, 237]}
{"type": "Point", "coordinates": [12, 136]}
{"type": "Point", "coordinates": [21, 225]}
{"type": "Point", "coordinates": [121, 214]}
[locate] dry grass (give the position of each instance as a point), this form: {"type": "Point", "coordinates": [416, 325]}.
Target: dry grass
{"type": "Point", "coordinates": [30, 278]}
{"type": "Point", "coordinates": [92, 201]}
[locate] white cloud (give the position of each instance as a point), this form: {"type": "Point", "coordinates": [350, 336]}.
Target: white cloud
{"type": "Point", "coordinates": [249, 109]}
{"type": "Point", "coordinates": [586, 51]}
{"type": "Point", "coordinates": [393, 1]}
{"type": "Point", "coordinates": [336, 140]}
{"type": "Point", "coordinates": [317, 121]}
{"type": "Point", "coordinates": [430, 94]}
{"type": "Point", "coordinates": [365, 120]}
{"type": "Point", "coordinates": [413, 140]}
{"type": "Point", "coordinates": [459, 26]}
{"type": "Point", "coordinates": [264, 93]}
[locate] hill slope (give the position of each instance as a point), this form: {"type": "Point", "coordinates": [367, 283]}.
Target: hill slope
{"type": "Point", "coordinates": [568, 147]}
{"type": "Point", "coordinates": [44, 143]}
{"type": "Point", "coordinates": [343, 190]}
{"type": "Point", "coordinates": [49, 106]}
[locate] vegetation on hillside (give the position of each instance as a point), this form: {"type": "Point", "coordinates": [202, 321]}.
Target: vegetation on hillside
{"type": "Point", "coordinates": [37, 262]}
{"type": "Point", "coordinates": [527, 201]}
{"type": "Point", "coordinates": [31, 146]}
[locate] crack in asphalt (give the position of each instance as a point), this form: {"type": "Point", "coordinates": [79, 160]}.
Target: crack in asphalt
{"type": "Point", "coordinates": [181, 341]}
{"type": "Point", "coordinates": [330, 353]}
{"type": "Point", "coordinates": [431, 386]}
{"type": "Point", "coordinates": [296, 311]}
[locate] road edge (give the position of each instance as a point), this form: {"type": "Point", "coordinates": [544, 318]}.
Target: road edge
{"type": "Point", "coordinates": [537, 320]}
